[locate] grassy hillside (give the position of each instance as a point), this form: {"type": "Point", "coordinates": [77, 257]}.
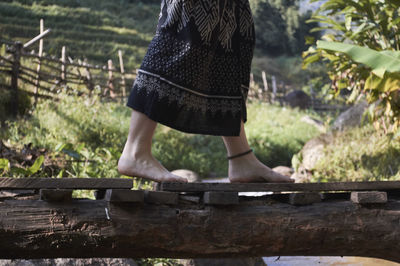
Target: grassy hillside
{"type": "Point", "coordinates": [94, 29]}
{"type": "Point", "coordinates": [97, 29]}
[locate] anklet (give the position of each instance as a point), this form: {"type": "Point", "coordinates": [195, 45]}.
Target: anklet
{"type": "Point", "coordinates": [239, 155]}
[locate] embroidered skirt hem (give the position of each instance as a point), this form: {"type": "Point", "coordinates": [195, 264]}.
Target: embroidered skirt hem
{"type": "Point", "coordinates": [196, 72]}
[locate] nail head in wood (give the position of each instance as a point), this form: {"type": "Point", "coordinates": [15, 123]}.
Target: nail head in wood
{"type": "Point", "coordinates": [221, 198]}
{"type": "Point", "coordinates": [161, 197]}
{"type": "Point", "coordinates": [306, 198]}
{"type": "Point", "coordinates": [367, 197]}
{"type": "Point", "coordinates": [56, 194]}
{"type": "Point", "coordinates": [124, 195]}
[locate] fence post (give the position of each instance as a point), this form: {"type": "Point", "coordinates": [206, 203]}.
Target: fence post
{"type": "Point", "coordinates": [123, 83]}
{"type": "Point", "coordinates": [88, 77]}
{"type": "Point", "coordinates": [110, 78]}
{"type": "Point", "coordinates": [264, 90]}
{"type": "Point", "coordinates": [265, 82]}
{"type": "Point", "coordinates": [63, 65]}
{"type": "Point", "coordinates": [274, 88]}
{"type": "Point", "coordinates": [14, 78]}
{"type": "Point", "coordinates": [37, 81]}
{"type": "Point", "coordinates": [251, 79]}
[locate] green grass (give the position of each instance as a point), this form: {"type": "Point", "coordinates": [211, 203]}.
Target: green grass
{"type": "Point", "coordinates": [87, 129]}
{"type": "Point", "coordinates": [89, 29]}
{"type": "Point", "coordinates": [277, 133]}
{"type": "Point", "coordinates": [360, 154]}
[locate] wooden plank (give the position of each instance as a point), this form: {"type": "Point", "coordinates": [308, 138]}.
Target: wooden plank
{"type": "Point", "coordinates": [161, 197]}
{"type": "Point", "coordinates": [279, 187]}
{"type": "Point", "coordinates": [191, 199]}
{"type": "Point", "coordinates": [124, 195]}
{"type": "Point", "coordinates": [304, 198]}
{"type": "Point", "coordinates": [56, 194]}
{"type": "Point", "coordinates": [367, 197]}
{"type": "Point", "coordinates": [221, 198]}
{"type": "Point", "coordinates": [335, 196]}
{"type": "Point", "coordinates": [66, 183]}
{"type": "Point", "coordinates": [4, 194]}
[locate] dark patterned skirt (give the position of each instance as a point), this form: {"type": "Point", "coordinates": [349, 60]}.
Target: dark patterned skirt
{"type": "Point", "coordinates": [196, 73]}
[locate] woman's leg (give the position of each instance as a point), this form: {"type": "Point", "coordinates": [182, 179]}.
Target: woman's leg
{"type": "Point", "coordinates": [248, 168]}
{"type": "Point", "coordinates": [136, 159]}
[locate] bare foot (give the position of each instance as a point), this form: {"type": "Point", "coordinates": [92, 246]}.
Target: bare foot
{"type": "Point", "coordinates": [147, 167]}
{"type": "Point", "coordinates": [248, 169]}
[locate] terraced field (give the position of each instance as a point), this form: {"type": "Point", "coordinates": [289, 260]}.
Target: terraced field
{"type": "Point", "coordinates": [92, 29]}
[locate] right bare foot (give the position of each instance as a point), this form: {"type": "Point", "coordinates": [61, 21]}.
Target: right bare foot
{"type": "Point", "coordinates": [248, 169]}
{"type": "Point", "coordinates": [147, 167]}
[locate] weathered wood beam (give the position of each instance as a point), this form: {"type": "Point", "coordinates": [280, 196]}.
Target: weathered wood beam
{"type": "Point", "coordinates": [255, 227]}
{"type": "Point", "coordinates": [279, 187]}
{"type": "Point", "coordinates": [65, 183]}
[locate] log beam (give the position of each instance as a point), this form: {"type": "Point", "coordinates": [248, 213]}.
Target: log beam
{"type": "Point", "coordinates": [84, 228]}
{"type": "Point", "coordinates": [280, 187]}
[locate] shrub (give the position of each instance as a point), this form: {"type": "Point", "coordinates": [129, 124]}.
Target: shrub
{"type": "Point", "coordinates": [359, 154]}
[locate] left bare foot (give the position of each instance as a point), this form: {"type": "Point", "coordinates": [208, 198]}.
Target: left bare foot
{"type": "Point", "coordinates": [248, 169]}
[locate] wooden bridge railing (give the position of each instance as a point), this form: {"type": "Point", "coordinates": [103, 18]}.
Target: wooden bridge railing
{"type": "Point", "coordinates": [197, 220]}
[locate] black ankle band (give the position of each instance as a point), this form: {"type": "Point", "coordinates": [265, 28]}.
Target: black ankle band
{"type": "Point", "coordinates": [239, 155]}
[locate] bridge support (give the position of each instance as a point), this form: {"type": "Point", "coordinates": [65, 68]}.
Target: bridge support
{"type": "Point", "coordinates": [257, 226]}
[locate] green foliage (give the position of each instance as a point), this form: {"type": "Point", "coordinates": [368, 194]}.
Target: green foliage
{"type": "Point", "coordinates": [79, 128]}
{"type": "Point", "coordinates": [280, 28]}
{"type": "Point", "coordinates": [276, 133]}
{"type": "Point", "coordinates": [359, 154]}
{"type": "Point", "coordinates": [371, 66]}
{"type": "Point", "coordinates": [91, 134]}
{"type": "Point", "coordinates": [200, 153]}
{"type": "Point", "coordinates": [36, 165]}
{"type": "Point", "coordinates": [383, 83]}
{"type": "Point", "coordinates": [289, 70]}
{"type": "Point", "coordinates": [17, 171]}
{"type": "Point", "coordinates": [4, 166]}
{"type": "Point", "coordinates": [24, 103]}
{"type": "Point", "coordinates": [89, 29]}
{"type": "Point", "coordinates": [95, 28]}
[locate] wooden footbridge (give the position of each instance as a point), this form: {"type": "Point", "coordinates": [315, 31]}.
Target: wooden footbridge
{"type": "Point", "coordinates": [40, 219]}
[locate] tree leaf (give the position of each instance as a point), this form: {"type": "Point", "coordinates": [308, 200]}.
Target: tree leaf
{"type": "Point", "coordinates": [380, 62]}
{"type": "Point", "coordinates": [4, 164]}
{"type": "Point", "coordinates": [311, 59]}
{"type": "Point", "coordinates": [348, 21]}
{"type": "Point", "coordinates": [36, 165]}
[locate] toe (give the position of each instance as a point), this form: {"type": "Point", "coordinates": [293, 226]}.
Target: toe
{"type": "Point", "coordinates": [181, 180]}
{"type": "Point", "coordinates": [177, 179]}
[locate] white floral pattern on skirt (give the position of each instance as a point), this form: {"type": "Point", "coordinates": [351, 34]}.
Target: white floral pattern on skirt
{"type": "Point", "coordinates": [196, 72]}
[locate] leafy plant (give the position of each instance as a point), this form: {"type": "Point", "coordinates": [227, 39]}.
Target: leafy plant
{"type": "Point", "coordinates": [367, 33]}
{"type": "Point", "coordinates": [89, 136]}
{"type": "Point", "coordinates": [21, 171]}
{"type": "Point", "coordinates": [359, 154]}
{"type": "Point", "coordinates": [383, 84]}
{"type": "Point", "coordinates": [4, 166]}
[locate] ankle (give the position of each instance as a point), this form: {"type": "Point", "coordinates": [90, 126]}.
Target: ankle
{"type": "Point", "coordinates": [136, 153]}
{"type": "Point", "coordinates": [239, 154]}
{"type": "Point", "coordinates": [246, 160]}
